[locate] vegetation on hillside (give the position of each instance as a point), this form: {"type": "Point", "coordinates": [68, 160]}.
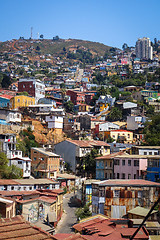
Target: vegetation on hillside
{"type": "Point", "coordinates": [152, 131]}
{"type": "Point", "coordinates": [26, 142]}
{"type": "Point", "coordinates": [9, 172]}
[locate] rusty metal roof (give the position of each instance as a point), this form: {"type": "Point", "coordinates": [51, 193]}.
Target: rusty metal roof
{"type": "Point", "coordinates": [127, 182]}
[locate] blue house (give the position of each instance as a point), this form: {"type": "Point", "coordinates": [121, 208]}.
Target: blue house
{"type": "Point", "coordinates": [100, 169]}
{"type": "Point", "coordinates": [4, 102]}
{"type": "Point", "coordinates": [153, 169]}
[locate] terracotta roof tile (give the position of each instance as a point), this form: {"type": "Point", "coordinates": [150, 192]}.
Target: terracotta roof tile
{"type": "Point", "coordinates": [18, 229]}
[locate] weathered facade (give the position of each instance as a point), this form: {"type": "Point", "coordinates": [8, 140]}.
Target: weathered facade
{"type": "Point", "coordinates": [115, 198]}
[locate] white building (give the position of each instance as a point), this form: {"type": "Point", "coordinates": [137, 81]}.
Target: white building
{"type": "Point", "coordinates": [108, 126]}
{"type": "Point", "coordinates": [144, 50]}
{"type": "Point", "coordinates": [24, 163]}
{"type": "Point", "coordinates": [34, 87]}
{"type": "Point", "coordinates": [13, 117]}
{"type": "Point", "coordinates": [8, 145]}
{"type": "Point", "coordinates": [54, 121]}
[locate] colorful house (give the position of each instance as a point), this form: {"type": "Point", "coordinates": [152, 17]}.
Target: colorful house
{"type": "Point", "coordinates": [122, 135]}
{"type": "Point", "coordinates": [21, 101]}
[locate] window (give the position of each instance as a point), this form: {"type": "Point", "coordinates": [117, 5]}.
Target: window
{"type": "Point", "coordinates": [106, 176]}
{"type": "Point", "coordinates": [110, 175]}
{"type": "Point", "coordinates": [16, 153]}
{"type": "Point", "coordinates": [123, 175]}
{"type": "Point", "coordinates": [123, 162]}
{"type": "Point", "coordinates": [34, 158]}
{"type": "Point", "coordinates": [18, 100]}
{"type": "Point", "coordinates": [129, 176]}
{"type": "Point", "coordinates": [116, 193]}
{"type": "Point", "coordinates": [145, 153]}
{"type": "Point", "coordinates": [19, 162]}
{"type": "Point", "coordinates": [129, 162]}
{"type": "Point", "coordinates": [135, 176]}
{"type": "Point", "coordinates": [117, 175]}
{"type": "Point", "coordinates": [128, 135]}
{"type": "Point", "coordinates": [155, 153]}
{"type": "Point", "coordinates": [116, 162]}
{"type": "Point", "coordinates": [12, 188]}
{"type": "Point", "coordinates": [106, 164]}
{"type": "Point", "coordinates": [150, 153]}
{"type": "Point", "coordinates": [30, 188]}
{"type": "Point", "coordinates": [110, 164]}
{"type": "Point", "coordinates": [136, 163]}
{"type": "Point", "coordinates": [97, 163]}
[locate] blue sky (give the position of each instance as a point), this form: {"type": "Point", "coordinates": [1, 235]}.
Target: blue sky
{"type": "Point", "coordinates": [111, 22]}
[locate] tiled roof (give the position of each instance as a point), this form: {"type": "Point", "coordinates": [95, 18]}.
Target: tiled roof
{"type": "Point", "coordinates": [19, 229]}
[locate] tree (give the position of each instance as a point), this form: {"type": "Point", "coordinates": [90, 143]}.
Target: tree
{"type": "Point", "coordinates": [125, 47]}
{"type": "Point", "coordinates": [3, 165]}
{"type": "Point", "coordinates": [5, 80]}
{"type": "Point", "coordinates": [115, 114]}
{"type": "Point", "coordinates": [152, 131]}
{"type": "Point", "coordinates": [23, 93]}
{"type": "Point", "coordinates": [6, 171]}
{"type": "Point", "coordinates": [28, 141]}
{"type": "Point", "coordinates": [14, 172]}
{"type": "Point", "coordinates": [41, 36]}
{"type": "Point", "coordinates": [89, 163]}
{"type": "Point", "coordinates": [83, 212]}
{"type": "Point", "coordinates": [69, 106]}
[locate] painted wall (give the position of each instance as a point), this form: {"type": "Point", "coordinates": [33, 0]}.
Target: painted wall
{"type": "Point", "coordinates": [67, 151]}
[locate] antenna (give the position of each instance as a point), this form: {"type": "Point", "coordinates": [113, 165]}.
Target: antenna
{"type": "Point", "coordinates": [31, 31]}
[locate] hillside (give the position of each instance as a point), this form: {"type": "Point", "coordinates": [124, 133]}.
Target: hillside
{"type": "Point", "coordinates": [53, 47]}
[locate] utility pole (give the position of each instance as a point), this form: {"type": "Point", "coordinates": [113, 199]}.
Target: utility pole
{"type": "Point", "coordinates": [146, 217]}
{"type": "Point", "coordinates": [31, 31]}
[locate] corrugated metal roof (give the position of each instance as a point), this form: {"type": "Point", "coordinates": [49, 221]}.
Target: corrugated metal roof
{"type": "Point", "coordinates": [140, 211]}
{"type": "Point", "coordinates": [47, 153]}
{"type": "Point", "coordinates": [127, 182]}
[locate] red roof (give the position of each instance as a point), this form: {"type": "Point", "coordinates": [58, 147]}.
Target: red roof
{"type": "Point", "coordinates": [62, 236]}
{"type": "Point", "coordinates": [120, 130]}
{"type": "Point", "coordinates": [18, 228]}
{"type": "Point", "coordinates": [128, 182]}
{"type": "Point", "coordinates": [47, 199]}
{"type": "Point", "coordinates": [18, 193]}
{"type": "Point", "coordinates": [106, 229]}
{"type": "Point", "coordinates": [6, 96]}
{"type": "Point", "coordinates": [8, 182]}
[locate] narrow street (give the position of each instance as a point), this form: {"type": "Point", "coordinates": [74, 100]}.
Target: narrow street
{"type": "Point", "coordinates": [68, 218]}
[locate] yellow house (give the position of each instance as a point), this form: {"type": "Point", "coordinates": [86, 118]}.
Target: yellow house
{"type": "Point", "coordinates": [21, 101]}
{"type": "Point", "coordinates": [103, 106]}
{"type": "Point", "coordinates": [122, 135]}
{"type": "Point", "coordinates": [84, 108]}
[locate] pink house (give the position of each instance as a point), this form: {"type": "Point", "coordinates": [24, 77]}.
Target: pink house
{"type": "Point", "coordinates": [130, 166]}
